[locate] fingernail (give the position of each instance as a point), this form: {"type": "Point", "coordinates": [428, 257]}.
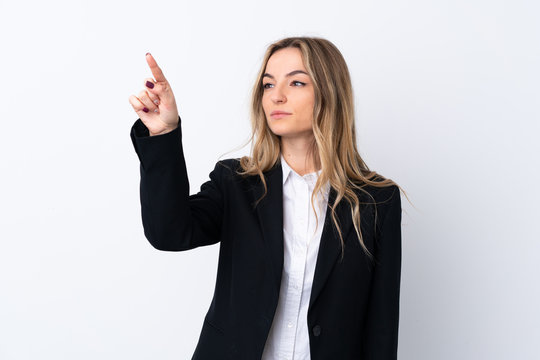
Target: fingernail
{"type": "Point", "coordinates": [156, 110]}
{"type": "Point", "coordinates": [156, 102]}
{"type": "Point", "coordinates": [147, 53]}
{"type": "Point", "coordinates": [145, 109]}
{"type": "Point", "coordinates": [149, 85]}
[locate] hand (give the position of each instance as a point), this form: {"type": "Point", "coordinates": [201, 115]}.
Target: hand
{"type": "Point", "coordinates": [156, 105]}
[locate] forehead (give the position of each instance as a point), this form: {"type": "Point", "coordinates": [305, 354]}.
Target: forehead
{"type": "Point", "coordinates": [285, 60]}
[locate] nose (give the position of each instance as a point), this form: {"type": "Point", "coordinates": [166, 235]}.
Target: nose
{"type": "Point", "coordinates": [278, 95]}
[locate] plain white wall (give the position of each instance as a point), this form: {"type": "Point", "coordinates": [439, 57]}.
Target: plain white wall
{"type": "Point", "coordinates": [447, 101]}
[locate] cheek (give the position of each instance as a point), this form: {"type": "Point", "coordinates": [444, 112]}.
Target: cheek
{"type": "Point", "coordinates": [264, 102]}
{"type": "Point", "coordinates": [266, 109]}
{"type": "Point", "coordinates": [307, 108]}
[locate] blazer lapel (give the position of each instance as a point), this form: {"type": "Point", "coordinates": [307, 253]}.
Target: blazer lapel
{"type": "Point", "coordinates": [330, 246]}
{"type": "Point", "coordinates": [270, 213]}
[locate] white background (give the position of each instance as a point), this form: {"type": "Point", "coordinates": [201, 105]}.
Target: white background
{"type": "Point", "coordinates": [447, 96]}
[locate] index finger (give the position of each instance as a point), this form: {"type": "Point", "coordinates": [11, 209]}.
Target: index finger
{"type": "Point", "coordinates": [156, 71]}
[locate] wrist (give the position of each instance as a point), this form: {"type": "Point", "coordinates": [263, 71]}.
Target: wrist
{"type": "Point", "coordinates": [165, 131]}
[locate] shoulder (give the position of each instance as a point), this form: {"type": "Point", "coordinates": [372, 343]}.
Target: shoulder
{"type": "Point", "coordinates": [383, 196]}
{"type": "Point", "coordinates": [228, 165]}
{"type": "Point", "coordinates": [379, 189]}
{"type": "Point", "coordinates": [227, 169]}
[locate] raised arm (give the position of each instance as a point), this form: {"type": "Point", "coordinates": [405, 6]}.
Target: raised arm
{"type": "Point", "coordinates": [172, 219]}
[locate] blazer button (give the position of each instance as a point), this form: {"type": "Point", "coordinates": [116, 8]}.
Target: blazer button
{"type": "Point", "coordinates": [317, 330]}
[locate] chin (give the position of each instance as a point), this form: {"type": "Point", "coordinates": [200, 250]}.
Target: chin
{"type": "Point", "coordinates": [281, 130]}
{"type": "Point", "coordinates": [287, 129]}
{"type": "Point", "coordinates": [291, 133]}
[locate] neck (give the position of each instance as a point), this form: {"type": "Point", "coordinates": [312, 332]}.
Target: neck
{"type": "Point", "coordinates": [299, 154]}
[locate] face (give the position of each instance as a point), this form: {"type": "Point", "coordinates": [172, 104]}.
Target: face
{"type": "Point", "coordinates": [288, 96]}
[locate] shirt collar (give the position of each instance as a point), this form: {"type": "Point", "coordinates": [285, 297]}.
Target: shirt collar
{"type": "Point", "coordinates": [287, 170]}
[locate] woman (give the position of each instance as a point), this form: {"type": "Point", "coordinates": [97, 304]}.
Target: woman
{"type": "Point", "coordinates": [310, 238]}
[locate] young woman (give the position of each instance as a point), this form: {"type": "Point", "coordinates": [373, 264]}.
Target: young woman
{"type": "Point", "coordinates": [310, 238]}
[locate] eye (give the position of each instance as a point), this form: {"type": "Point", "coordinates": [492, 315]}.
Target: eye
{"type": "Point", "coordinates": [267, 85]}
{"type": "Point", "coordinates": [298, 82]}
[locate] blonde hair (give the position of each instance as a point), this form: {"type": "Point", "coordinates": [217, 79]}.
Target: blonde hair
{"type": "Point", "coordinates": [334, 148]}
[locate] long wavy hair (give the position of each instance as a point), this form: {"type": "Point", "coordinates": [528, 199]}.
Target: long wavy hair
{"type": "Point", "coordinates": [334, 148]}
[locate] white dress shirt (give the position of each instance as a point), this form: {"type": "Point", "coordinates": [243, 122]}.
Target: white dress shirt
{"type": "Point", "coordinates": [289, 335]}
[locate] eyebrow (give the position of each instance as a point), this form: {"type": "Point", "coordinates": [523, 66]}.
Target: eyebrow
{"type": "Point", "coordinates": [289, 74]}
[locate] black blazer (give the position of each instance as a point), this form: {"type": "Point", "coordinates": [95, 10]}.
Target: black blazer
{"type": "Point", "coordinates": [354, 306]}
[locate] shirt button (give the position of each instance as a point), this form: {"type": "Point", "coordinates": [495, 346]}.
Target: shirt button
{"type": "Point", "coordinates": [289, 325]}
{"type": "Point", "coordinates": [317, 330]}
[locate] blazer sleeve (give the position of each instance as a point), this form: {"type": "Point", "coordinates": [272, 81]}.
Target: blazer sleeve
{"type": "Point", "coordinates": [172, 219]}
{"type": "Point", "coordinates": [381, 333]}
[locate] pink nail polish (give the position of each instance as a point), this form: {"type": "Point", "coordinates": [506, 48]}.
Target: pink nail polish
{"type": "Point", "coordinates": [145, 109]}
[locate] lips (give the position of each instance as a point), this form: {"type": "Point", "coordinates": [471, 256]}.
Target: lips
{"type": "Point", "coordinates": [278, 114]}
